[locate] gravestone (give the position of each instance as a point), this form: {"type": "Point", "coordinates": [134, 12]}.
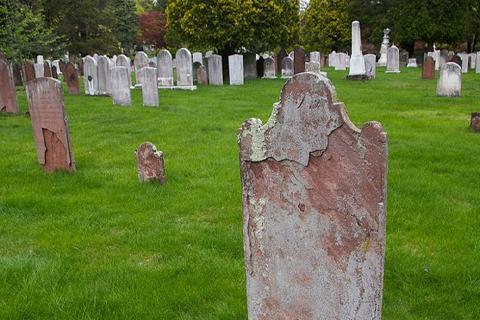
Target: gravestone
{"type": "Point", "coordinates": [61, 65]}
{"type": "Point", "coordinates": [299, 61]}
{"type": "Point", "coordinates": [269, 68]}
{"type": "Point", "coordinates": [450, 82]}
{"type": "Point", "coordinates": [403, 58]}
{"type": "Point", "coordinates": [477, 63]}
{"type": "Point", "coordinates": [475, 121]}
{"type": "Point", "coordinates": [90, 76]}
{"type": "Point", "coordinates": [215, 71]}
{"type": "Point", "coordinates": [312, 66]}
{"type": "Point", "coordinates": [120, 86]}
{"type": "Point", "coordinates": [428, 71]}
{"type": "Point", "coordinates": [393, 64]}
{"type": "Point", "coordinates": [165, 69]}
{"type": "Point", "coordinates": [315, 56]}
{"type": "Point", "coordinates": [195, 66]}
{"type": "Point", "coordinates": [314, 208]}
{"type": "Point", "coordinates": [341, 63]}
{"type": "Point", "coordinates": [456, 59]}
{"type": "Point", "coordinates": [70, 76]}
{"type": "Point", "coordinates": [17, 74]}
{"type": "Point", "coordinates": [28, 71]}
{"type": "Point", "coordinates": [39, 70]}
{"type": "Point", "coordinates": [260, 67]}
{"type": "Point", "coordinates": [382, 62]}
{"type": "Point", "coordinates": [49, 122]}
{"type": "Point", "coordinates": [103, 73]}
{"type": "Point", "coordinates": [197, 57]}
{"type": "Point", "coordinates": [40, 59]}
{"type": "Point", "coordinates": [202, 75]}
{"type": "Point", "coordinates": [412, 63]}
{"type": "Point", "coordinates": [250, 66]}
{"type": "Point", "coordinates": [47, 71]}
{"type": "Point", "coordinates": [81, 64]}
{"type": "Point", "coordinates": [465, 61]}
{"type": "Point", "coordinates": [279, 61]}
{"type": "Point", "coordinates": [124, 61]}
{"type": "Point", "coordinates": [54, 72]}
{"type": "Point", "coordinates": [149, 86]}
{"type": "Point", "coordinates": [287, 67]}
{"type": "Point", "coordinates": [235, 69]}
{"type": "Point", "coordinates": [184, 68]}
{"type": "Point", "coordinates": [8, 93]}
{"type": "Point", "coordinates": [472, 60]}
{"type": "Point", "coordinates": [150, 163]}
{"type": "Point", "coordinates": [370, 65]}
{"type": "Point", "coordinates": [357, 62]}
{"type": "Point", "coordinates": [141, 61]}
{"type": "Point", "coordinates": [332, 59]}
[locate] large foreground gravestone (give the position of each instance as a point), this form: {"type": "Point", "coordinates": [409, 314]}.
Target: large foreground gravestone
{"type": "Point", "coordinates": [8, 93]}
{"type": "Point", "coordinates": [70, 76]}
{"type": "Point", "coordinates": [90, 76]}
{"type": "Point", "coordinates": [120, 86]}
{"type": "Point", "coordinates": [450, 82]}
{"type": "Point", "coordinates": [149, 86]}
{"type": "Point", "coordinates": [150, 163]}
{"type": "Point", "coordinates": [428, 71]}
{"type": "Point", "coordinates": [49, 122]}
{"type": "Point", "coordinates": [215, 71]}
{"type": "Point", "coordinates": [235, 69]}
{"type": "Point", "coordinates": [165, 68]}
{"type": "Point", "coordinates": [314, 197]}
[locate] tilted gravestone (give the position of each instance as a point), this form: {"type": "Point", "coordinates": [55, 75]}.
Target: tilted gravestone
{"type": "Point", "coordinates": [49, 122]}
{"type": "Point", "coordinates": [299, 61]}
{"type": "Point", "coordinates": [8, 93]}
{"type": "Point", "coordinates": [314, 208]}
{"type": "Point", "coordinates": [165, 68]}
{"type": "Point", "coordinates": [120, 86]}
{"type": "Point", "coordinates": [149, 86]}
{"type": "Point", "coordinates": [250, 66]}
{"type": "Point", "coordinates": [287, 67]}
{"type": "Point", "coordinates": [124, 61]}
{"type": "Point", "coordinates": [70, 75]}
{"type": "Point", "coordinates": [393, 63]}
{"type": "Point", "coordinates": [90, 76]}
{"type": "Point", "coordinates": [235, 69]}
{"type": "Point", "coordinates": [150, 163]}
{"type": "Point", "coordinates": [103, 73]}
{"type": "Point", "coordinates": [269, 68]}
{"type": "Point", "coordinates": [202, 76]}
{"type": "Point", "coordinates": [450, 81]}
{"type": "Point", "coordinates": [184, 68]}
{"type": "Point", "coordinates": [428, 71]}
{"type": "Point", "coordinates": [215, 70]}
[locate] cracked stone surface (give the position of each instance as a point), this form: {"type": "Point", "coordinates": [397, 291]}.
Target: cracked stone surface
{"type": "Point", "coordinates": [428, 71]}
{"type": "Point", "coordinates": [314, 195]}
{"type": "Point", "coordinates": [49, 122]}
{"type": "Point", "coordinates": [150, 164]}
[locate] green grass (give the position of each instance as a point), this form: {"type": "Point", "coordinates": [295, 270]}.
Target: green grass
{"type": "Point", "coordinates": [99, 245]}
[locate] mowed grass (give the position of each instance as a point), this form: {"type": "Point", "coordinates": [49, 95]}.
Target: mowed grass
{"type": "Point", "coordinates": [99, 245]}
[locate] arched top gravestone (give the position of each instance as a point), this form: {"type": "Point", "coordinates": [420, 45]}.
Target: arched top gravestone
{"type": "Point", "coordinates": [165, 68]}
{"type": "Point", "coordinates": [184, 68]}
{"type": "Point", "coordinates": [314, 195]}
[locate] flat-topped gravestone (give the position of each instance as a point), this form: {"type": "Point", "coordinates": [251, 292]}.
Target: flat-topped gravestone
{"type": "Point", "coordinates": [49, 122]}
{"type": "Point", "coordinates": [197, 57]}
{"type": "Point", "coordinates": [393, 63]}
{"type": "Point", "coordinates": [314, 208]}
{"type": "Point", "coordinates": [235, 69]}
{"type": "Point", "coordinates": [475, 121]}
{"type": "Point", "coordinates": [124, 61]}
{"type": "Point", "coordinates": [287, 67]}
{"type": "Point", "coordinates": [215, 71]}
{"type": "Point", "coordinates": [70, 75]}
{"type": "Point", "coordinates": [103, 73]}
{"type": "Point", "coordinates": [165, 68]}
{"type": "Point", "coordinates": [90, 76]}
{"type": "Point", "coordinates": [269, 68]}
{"type": "Point", "coordinates": [184, 68]}
{"type": "Point", "coordinates": [299, 61]}
{"type": "Point", "coordinates": [39, 70]}
{"type": "Point", "coordinates": [149, 86]}
{"type": "Point", "coordinates": [250, 66]}
{"type": "Point", "coordinates": [202, 75]}
{"type": "Point", "coordinates": [120, 86]}
{"type": "Point", "coordinates": [450, 82]}
{"type": "Point", "coordinates": [428, 71]}
{"type": "Point", "coordinates": [279, 61]}
{"type": "Point", "coordinates": [370, 65]}
{"type": "Point", "coordinates": [464, 64]}
{"type": "Point", "coordinates": [150, 163]}
{"type": "Point", "coordinates": [8, 93]}
{"type": "Point", "coordinates": [412, 63]}
{"type": "Point", "coordinates": [357, 62]}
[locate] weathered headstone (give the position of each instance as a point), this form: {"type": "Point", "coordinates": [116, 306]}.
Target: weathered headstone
{"type": "Point", "coordinates": [450, 82]}
{"type": "Point", "coordinates": [120, 86]}
{"type": "Point", "coordinates": [235, 69]}
{"type": "Point", "coordinates": [150, 163]}
{"type": "Point", "coordinates": [197, 57]}
{"type": "Point", "coordinates": [215, 71]}
{"type": "Point", "coordinates": [47, 71]}
{"type": "Point", "coordinates": [287, 67]}
{"type": "Point", "coordinates": [312, 66]}
{"type": "Point", "coordinates": [103, 73]}
{"type": "Point", "coordinates": [269, 68]}
{"type": "Point", "coordinates": [149, 86]}
{"type": "Point", "coordinates": [49, 122]}
{"type": "Point", "coordinates": [357, 62]}
{"type": "Point", "coordinates": [260, 67]}
{"type": "Point", "coordinates": [341, 63]}
{"type": "Point", "coordinates": [314, 208]}
{"type": "Point", "coordinates": [464, 64]}
{"type": "Point", "coordinates": [403, 58]}
{"type": "Point", "coordinates": [202, 76]}
{"type": "Point", "coordinates": [370, 65]}
{"type": "Point", "coordinates": [17, 74]}
{"type": "Point", "coordinates": [90, 76]}
{"type": "Point", "coordinates": [40, 59]}
{"type": "Point", "coordinates": [124, 61]}
{"type": "Point", "coordinates": [315, 56]}
{"type": "Point", "coordinates": [472, 60]}
{"type": "Point", "coordinates": [428, 71]}
{"type": "Point", "coordinates": [141, 61]}
{"type": "Point", "coordinates": [28, 71]}
{"type": "Point", "coordinates": [475, 122]}
{"type": "Point", "coordinates": [279, 61]}
{"type": "Point", "coordinates": [332, 59]}
{"type": "Point", "coordinates": [165, 69]}
{"type": "Point", "coordinates": [250, 66]}
{"type": "Point", "coordinates": [8, 93]}
{"type": "Point", "coordinates": [393, 64]}
{"type": "Point", "coordinates": [412, 63]}
{"type": "Point", "coordinates": [39, 70]}
{"type": "Point", "coordinates": [299, 61]}
{"type": "Point", "coordinates": [184, 68]}
{"type": "Point", "coordinates": [70, 76]}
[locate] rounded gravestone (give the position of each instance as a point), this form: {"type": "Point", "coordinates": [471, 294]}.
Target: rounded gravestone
{"type": "Point", "coordinates": [450, 82]}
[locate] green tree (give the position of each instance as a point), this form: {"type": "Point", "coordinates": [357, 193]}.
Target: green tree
{"type": "Point", "coordinates": [126, 24]}
{"type": "Point", "coordinates": [326, 25]}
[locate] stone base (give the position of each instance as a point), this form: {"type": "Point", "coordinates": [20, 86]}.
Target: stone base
{"type": "Point", "coordinates": [269, 77]}
{"type": "Point", "coordinates": [340, 69]}
{"type": "Point", "coordinates": [189, 88]}
{"type": "Point", "coordinates": [286, 77]}
{"type": "Point", "coordinates": [359, 77]}
{"type": "Point", "coordinates": [398, 71]}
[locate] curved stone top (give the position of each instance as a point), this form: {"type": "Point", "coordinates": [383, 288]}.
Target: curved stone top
{"type": "Point", "coordinates": [299, 124]}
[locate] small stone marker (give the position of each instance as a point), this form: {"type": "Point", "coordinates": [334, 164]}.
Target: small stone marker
{"type": "Point", "coordinates": [150, 164]}
{"type": "Point", "coordinates": [202, 75]}
{"type": "Point", "coordinates": [70, 76]}
{"type": "Point", "coordinates": [8, 93]}
{"type": "Point", "coordinates": [184, 68]}
{"type": "Point", "coordinates": [215, 71]}
{"type": "Point", "coordinates": [149, 86]}
{"type": "Point", "coordinates": [49, 122]}
{"type": "Point", "coordinates": [299, 61]}
{"type": "Point", "coordinates": [314, 208]}
{"type": "Point", "coordinates": [428, 71]}
{"type": "Point", "coordinates": [393, 64]}
{"type": "Point", "coordinates": [475, 122]}
{"type": "Point", "coordinates": [450, 82]}
{"type": "Point", "coordinates": [269, 68]}
{"type": "Point", "coordinates": [235, 69]}
{"type": "Point", "coordinates": [370, 65]}
{"type": "Point", "coordinates": [121, 86]}
{"type": "Point", "coordinates": [90, 76]}
{"type": "Point", "coordinates": [287, 67]}
{"type": "Point", "coordinates": [165, 68]}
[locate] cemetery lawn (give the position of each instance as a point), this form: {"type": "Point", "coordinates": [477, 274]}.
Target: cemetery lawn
{"type": "Point", "coordinates": [99, 245]}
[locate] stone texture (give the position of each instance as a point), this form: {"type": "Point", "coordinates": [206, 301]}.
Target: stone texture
{"type": "Point", "coordinates": [47, 71]}
{"type": "Point", "coordinates": [287, 67]}
{"type": "Point", "coordinates": [141, 61]}
{"type": "Point", "coordinates": [341, 63]}
{"type": "Point", "coordinates": [49, 122]}
{"type": "Point", "coordinates": [149, 87]}
{"type": "Point", "coordinates": [370, 65]}
{"type": "Point", "coordinates": [150, 163]}
{"type": "Point", "coordinates": [412, 63]}
{"type": "Point", "coordinates": [315, 56]}
{"type": "Point", "coordinates": [475, 122]}
{"type": "Point", "coordinates": [312, 66]}
{"type": "Point", "coordinates": [428, 71]}
{"type": "Point", "coordinates": [28, 71]}
{"type": "Point", "coordinates": [215, 71]}
{"type": "Point", "coordinates": [165, 68]}
{"type": "Point", "coordinates": [124, 61]}
{"type": "Point", "coordinates": [279, 61]}
{"type": "Point", "coordinates": [314, 196]}
{"type": "Point", "coordinates": [8, 93]}
{"type": "Point", "coordinates": [120, 86]}
{"type": "Point", "coordinates": [357, 62]}
{"type": "Point", "coordinates": [90, 76]}
{"type": "Point", "coordinates": [269, 68]}
{"type": "Point", "coordinates": [70, 75]}
{"type": "Point", "coordinates": [184, 68]}
{"type": "Point", "coordinates": [235, 69]}
{"type": "Point", "coordinates": [403, 58]}
{"type": "Point", "coordinates": [299, 61]}
{"type": "Point", "coordinates": [202, 75]}
{"type": "Point", "coordinates": [39, 70]}
{"type": "Point", "coordinates": [250, 66]}
{"type": "Point", "coordinates": [382, 62]}
{"type": "Point", "coordinates": [103, 73]}
{"type": "Point", "coordinates": [393, 62]}
{"type": "Point", "coordinates": [450, 82]}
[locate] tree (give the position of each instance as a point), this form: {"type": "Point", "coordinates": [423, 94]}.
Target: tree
{"type": "Point", "coordinates": [231, 25]}
{"type": "Point", "coordinates": [152, 27]}
{"type": "Point", "coordinates": [126, 24]}
{"type": "Point", "coordinates": [326, 25]}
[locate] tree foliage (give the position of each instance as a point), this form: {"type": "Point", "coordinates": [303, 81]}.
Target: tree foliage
{"type": "Point", "coordinates": [126, 24]}
{"type": "Point", "coordinates": [152, 27]}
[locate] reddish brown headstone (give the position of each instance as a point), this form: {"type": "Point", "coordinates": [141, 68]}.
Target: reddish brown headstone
{"type": "Point", "coordinates": [202, 75]}
{"type": "Point", "coordinates": [475, 122]}
{"type": "Point", "coordinates": [428, 71]}
{"type": "Point", "coordinates": [150, 163]}
{"type": "Point", "coordinates": [279, 58]}
{"type": "Point", "coordinates": [47, 71]}
{"type": "Point", "coordinates": [314, 196]}
{"type": "Point", "coordinates": [49, 122]}
{"type": "Point", "coordinates": [8, 93]}
{"type": "Point", "coordinates": [28, 72]}
{"type": "Point", "coordinates": [17, 74]}
{"type": "Point", "coordinates": [299, 61]}
{"type": "Point", "coordinates": [70, 75]}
